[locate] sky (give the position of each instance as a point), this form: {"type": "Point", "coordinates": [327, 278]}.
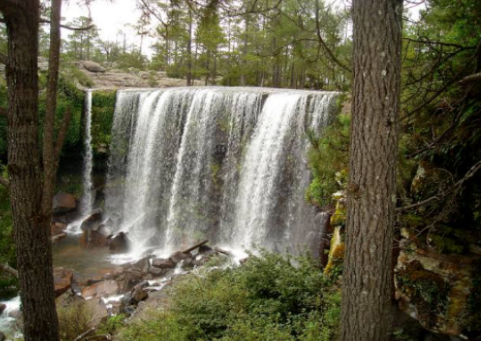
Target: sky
{"type": "Point", "coordinates": [112, 16]}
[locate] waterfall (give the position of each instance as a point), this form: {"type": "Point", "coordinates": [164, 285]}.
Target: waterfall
{"type": "Point", "coordinates": [224, 164]}
{"type": "Point", "coordinates": [87, 198]}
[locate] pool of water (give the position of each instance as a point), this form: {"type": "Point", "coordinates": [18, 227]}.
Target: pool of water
{"type": "Point", "coordinates": [88, 262]}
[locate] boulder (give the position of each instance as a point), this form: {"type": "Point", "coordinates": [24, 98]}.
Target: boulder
{"type": "Point", "coordinates": [162, 263]}
{"type": "Point", "coordinates": [180, 256]}
{"type": "Point", "coordinates": [119, 243]}
{"type": "Point", "coordinates": [142, 264]}
{"type": "Point", "coordinates": [57, 228]}
{"type": "Point", "coordinates": [128, 279]}
{"type": "Point", "coordinates": [156, 272]}
{"type": "Point", "coordinates": [101, 289]}
{"type": "Point", "coordinates": [98, 311]}
{"type": "Point", "coordinates": [206, 250]}
{"type": "Point", "coordinates": [139, 293]}
{"type": "Point", "coordinates": [63, 203]}
{"type": "Point", "coordinates": [62, 280]}
{"type": "Point", "coordinates": [2, 308]}
{"type": "Point", "coordinates": [92, 239]}
{"type": "Point", "coordinates": [92, 222]}
{"type": "Point", "coordinates": [2, 336]}
{"type": "Point", "coordinates": [92, 66]}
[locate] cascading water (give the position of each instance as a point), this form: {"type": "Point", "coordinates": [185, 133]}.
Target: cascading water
{"type": "Point", "coordinates": [87, 198]}
{"type": "Point", "coordinates": [224, 164]}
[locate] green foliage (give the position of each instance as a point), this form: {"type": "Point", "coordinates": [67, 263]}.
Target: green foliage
{"type": "Point", "coordinates": [103, 107]}
{"type": "Point", "coordinates": [8, 284]}
{"type": "Point", "coordinates": [111, 325]}
{"type": "Point", "coordinates": [73, 320]}
{"type": "Point", "coordinates": [267, 298]}
{"type": "Point", "coordinates": [328, 161]}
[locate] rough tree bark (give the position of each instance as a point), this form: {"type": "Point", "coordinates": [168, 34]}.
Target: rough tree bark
{"type": "Point", "coordinates": [49, 158]}
{"type": "Point", "coordinates": [31, 225]}
{"type": "Point", "coordinates": [366, 283]}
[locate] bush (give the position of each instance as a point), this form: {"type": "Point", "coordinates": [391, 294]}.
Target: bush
{"type": "Point", "coordinates": [328, 160]}
{"type": "Point", "coordinates": [8, 284]}
{"type": "Point", "coordinates": [267, 298]}
{"type": "Point", "coordinates": [73, 320]}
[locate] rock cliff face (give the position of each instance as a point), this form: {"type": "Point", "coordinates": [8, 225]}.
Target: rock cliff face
{"type": "Point", "coordinates": [111, 78]}
{"type": "Point", "coordinates": [437, 277]}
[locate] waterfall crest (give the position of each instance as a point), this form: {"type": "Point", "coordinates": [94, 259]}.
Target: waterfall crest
{"type": "Point", "coordinates": [224, 164]}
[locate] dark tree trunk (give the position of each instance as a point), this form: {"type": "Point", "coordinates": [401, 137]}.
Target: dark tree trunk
{"type": "Point", "coordinates": [367, 273]}
{"type": "Point", "coordinates": [32, 227]}
{"type": "Point", "coordinates": [49, 157]}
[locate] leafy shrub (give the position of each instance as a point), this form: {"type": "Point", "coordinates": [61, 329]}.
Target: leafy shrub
{"type": "Point", "coordinates": [73, 320]}
{"type": "Point", "coordinates": [328, 160]}
{"type": "Point", "coordinates": [267, 298]}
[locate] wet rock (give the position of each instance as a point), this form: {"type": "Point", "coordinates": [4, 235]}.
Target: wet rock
{"type": "Point", "coordinates": [58, 237]}
{"type": "Point", "coordinates": [157, 271]}
{"type": "Point", "coordinates": [2, 308]}
{"type": "Point", "coordinates": [128, 279]}
{"type": "Point", "coordinates": [92, 239]}
{"type": "Point", "coordinates": [16, 314]}
{"type": "Point", "coordinates": [92, 222]}
{"type": "Point", "coordinates": [180, 256]}
{"type": "Point", "coordinates": [93, 66]}
{"type": "Point", "coordinates": [206, 250]}
{"type": "Point", "coordinates": [163, 263]}
{"type": "Point", "coordinates": [139, 293]}
{"type": "Point", "coordinates": [63, 203]}
{"type": "Point", "coordinates": [142, 264]}
{"type": "Point", "coordinates": [57, 228]}
{"type": "Point", "coordinates": [62, 280]}
{"type": "Point", "coordinates": [101, 289]}
{"type": "Point", "coordinates": [2, 336]}
{"type": "Point", "coordinates": [119, 243]}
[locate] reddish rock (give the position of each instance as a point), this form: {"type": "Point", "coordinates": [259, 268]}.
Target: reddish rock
{"type": "Point", "coordinates": [101, 289]}
{"type": "Point", "coordinates": [63, 203]}
{"type": "Point", "coordinates": [62, 280]}
{"type": "Point", "coordinates": [2, 308]}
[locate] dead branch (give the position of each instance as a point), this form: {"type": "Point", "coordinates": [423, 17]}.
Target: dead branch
{"type": "Point", "coordinates": [195, 246]}
{"type": "Point", "coordinates": [9, 270]}
{"type": "Point", "coordinates": [471, 78]}
{"type": "Point", "coordinates": [83, 335]}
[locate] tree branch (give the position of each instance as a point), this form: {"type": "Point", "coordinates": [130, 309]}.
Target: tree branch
{"type": "Point", "coordinates": [471, 78]}
{"type": "Point", "coordinates": [4, 182]}
{"type": "Point", "coordinates": [440, 43]}
{"type": "Point", "coordinates": [9, 270]}
{"type": "Point", "coordinates": [84, 28]}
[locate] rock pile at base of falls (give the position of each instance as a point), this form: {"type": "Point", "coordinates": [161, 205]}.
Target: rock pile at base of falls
{"type": "Point", "coordinates": [127, 287]}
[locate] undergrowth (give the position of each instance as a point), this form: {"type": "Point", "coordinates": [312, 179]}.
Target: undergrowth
{"type": "Point", "coordinates": [267, 298]}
